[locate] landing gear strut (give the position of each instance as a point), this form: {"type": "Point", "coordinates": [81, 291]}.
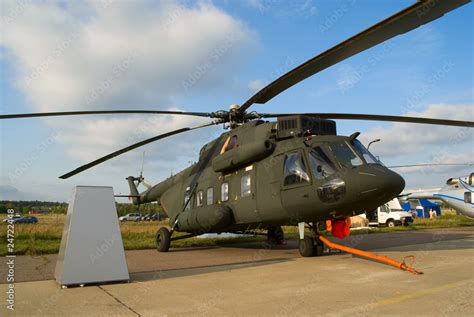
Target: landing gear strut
{"type": "Point", "coordinates": [310, 245]}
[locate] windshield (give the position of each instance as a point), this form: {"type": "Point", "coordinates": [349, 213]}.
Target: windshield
{"type": "Point", "coordinates": [321, 165]}
{"type": "Point", "coordinates": [345, 155]}
{"type": "Point", "coordinates": [362, 151]}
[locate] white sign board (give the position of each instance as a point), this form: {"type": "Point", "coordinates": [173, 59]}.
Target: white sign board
{"type": "Point", "coordinates": [91, 246]}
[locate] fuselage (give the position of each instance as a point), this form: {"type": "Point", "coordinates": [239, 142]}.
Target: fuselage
{"type": "Point", "coordinates": [250, 177]}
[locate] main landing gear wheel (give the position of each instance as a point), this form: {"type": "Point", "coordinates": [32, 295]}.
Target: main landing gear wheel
{"type": "Point", "coordinates": [306, 246]}
{"type": "Point", "coordinates": [310, 245]}
{"type": "Point", "coordinates": [318, 247]}
{"type": "Point", "coordinates": [275, 235]}
{"type": "Point", "coordinates": [163, 240]}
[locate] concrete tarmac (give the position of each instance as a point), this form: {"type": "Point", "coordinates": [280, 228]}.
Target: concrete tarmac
{"type": "Point", "coordinates": [254, 280]}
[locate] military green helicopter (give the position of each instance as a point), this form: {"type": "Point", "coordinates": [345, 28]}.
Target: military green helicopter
{"type": "Point", "coordinates": [266, 174]}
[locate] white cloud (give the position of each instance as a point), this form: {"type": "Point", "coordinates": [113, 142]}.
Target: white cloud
{"type": "Point", "coordinates": [404, 138]}
{"type": "Point", "coordinates": [256, 85]}
{"type": "Point", "coordinates": [404, 144]}
{"type": "Point", "coordinates": [261, 5]}
{"type": "Point", "coordinates": [117, 133]}
{"type": "Point", "coordinates": [122, 54]}
{"type": "Point", "coordinates": [442, 158]}
{"type": "Point", "coordinates": [347, 77]}
{"type": "Point", "coordinates": [305, 8]}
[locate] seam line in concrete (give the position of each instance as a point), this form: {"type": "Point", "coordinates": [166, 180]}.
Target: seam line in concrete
{"type": "Point", "coordinates": [119, 301]}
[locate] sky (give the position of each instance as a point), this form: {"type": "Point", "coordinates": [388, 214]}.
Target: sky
{"type": "Point", "coordinates": [205, 56]}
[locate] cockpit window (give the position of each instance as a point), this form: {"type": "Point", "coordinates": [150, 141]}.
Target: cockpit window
{"type": "Point", "coordinates": [362, 151]}
{"type": "Point", "coordinates": [295, 171]}
{"type": "Point", "coordinates": [232, 143]}
{"type": "Point", "coordinates": [229, 144]}
{"type": "Point", "coordinates": [345, 155]}
{"type": "Point", "coordinates": [320, 163]}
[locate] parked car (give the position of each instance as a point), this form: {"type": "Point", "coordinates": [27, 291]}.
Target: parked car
{"type": "Point", "coordinates": [27, 219]}
{"type": "Point", "coordinates": [153, 217]}
{"type": "Point", "coordinates": [146, 217]}
{"type": "Point", "coordinates": [131, 217]}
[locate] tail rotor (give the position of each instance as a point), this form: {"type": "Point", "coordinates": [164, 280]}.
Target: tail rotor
{"type": "Point", "coordinates": [140, 179]}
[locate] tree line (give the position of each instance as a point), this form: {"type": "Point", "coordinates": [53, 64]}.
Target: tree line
{"type": "Point", "coordinates": [24, 207]}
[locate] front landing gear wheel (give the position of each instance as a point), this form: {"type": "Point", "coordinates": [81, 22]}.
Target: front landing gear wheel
{"type": "Point", "coordinates": [318, 247]}
{"type": "Point", "coordinates": [163, 240]}
{"type": "Point", "coordinates": [306, 246]}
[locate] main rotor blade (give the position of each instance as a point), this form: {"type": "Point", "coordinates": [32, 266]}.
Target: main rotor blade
{"type": "Point", "coordinates": [374, 117]}
{"type": "Point", "coordinates": [75, 113]}
{"type": "Point", "coordinates": [406, 20]}
{"type": "Point", "coordinates": [131, 147]}
{"type": "Point", "coordinates": [430, 164]}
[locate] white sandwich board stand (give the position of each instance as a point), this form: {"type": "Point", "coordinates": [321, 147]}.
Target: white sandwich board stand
{"type": "Point", "coordinates": [91, 246]}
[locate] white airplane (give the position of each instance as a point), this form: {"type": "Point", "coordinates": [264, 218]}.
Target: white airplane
{"type": "Point", "coordinates": [457, 194]}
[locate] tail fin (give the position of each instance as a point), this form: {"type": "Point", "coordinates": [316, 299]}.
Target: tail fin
{"type": "Point", "coordinates": [134, 194]}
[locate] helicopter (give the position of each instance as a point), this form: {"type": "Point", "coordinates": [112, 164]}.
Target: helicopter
{"type": "Point", "coordinates": [296, 170]}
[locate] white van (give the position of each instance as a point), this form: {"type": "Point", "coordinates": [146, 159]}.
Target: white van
{"type": "Point", "coordinates": [390, 214]}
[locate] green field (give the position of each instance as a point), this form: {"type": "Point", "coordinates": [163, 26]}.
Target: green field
{"type": "Point", "coordinates": [45, 236]}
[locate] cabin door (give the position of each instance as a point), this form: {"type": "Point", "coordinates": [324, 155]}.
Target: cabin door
{"type": "Point", "coordinates": [295, 184]}
{"type": "Point", "coordinates": [268, 183]}
{"type": "Point", "coordinates": [245, 196]}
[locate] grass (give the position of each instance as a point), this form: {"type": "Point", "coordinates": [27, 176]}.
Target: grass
{"type": "Point", "coordinates": [45, 236]}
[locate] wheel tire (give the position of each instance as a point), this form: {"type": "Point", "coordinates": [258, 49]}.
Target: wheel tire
{"type": "Point", "coordinates": [391, 223]}
{"type": "Point", "coordinates": [279, 235]}
{"type": "Point", "coordinates": [275, 234]}
{"type": "Point", "coordinates": [163, 240]}
{"type": "Point", "coordinates": [318, 247]}
{"type": "Point", "coordinates": [306, 246]}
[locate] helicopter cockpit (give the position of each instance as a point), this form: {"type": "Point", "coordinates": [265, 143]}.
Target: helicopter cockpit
{"type": "Point", "coordinates": [330, 163]}
{"type": "Point", "coordinates": [364, 152]}
{"type": "Point", "coordinates": [353, 154]}
{"type": "Point", "coordinates": [321, 165]}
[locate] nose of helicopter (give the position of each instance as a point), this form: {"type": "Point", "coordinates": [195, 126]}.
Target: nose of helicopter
{"type": "Point", "coordinates": [363, 188]}
{"type": "Point", "coordinates": [379, 184]}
